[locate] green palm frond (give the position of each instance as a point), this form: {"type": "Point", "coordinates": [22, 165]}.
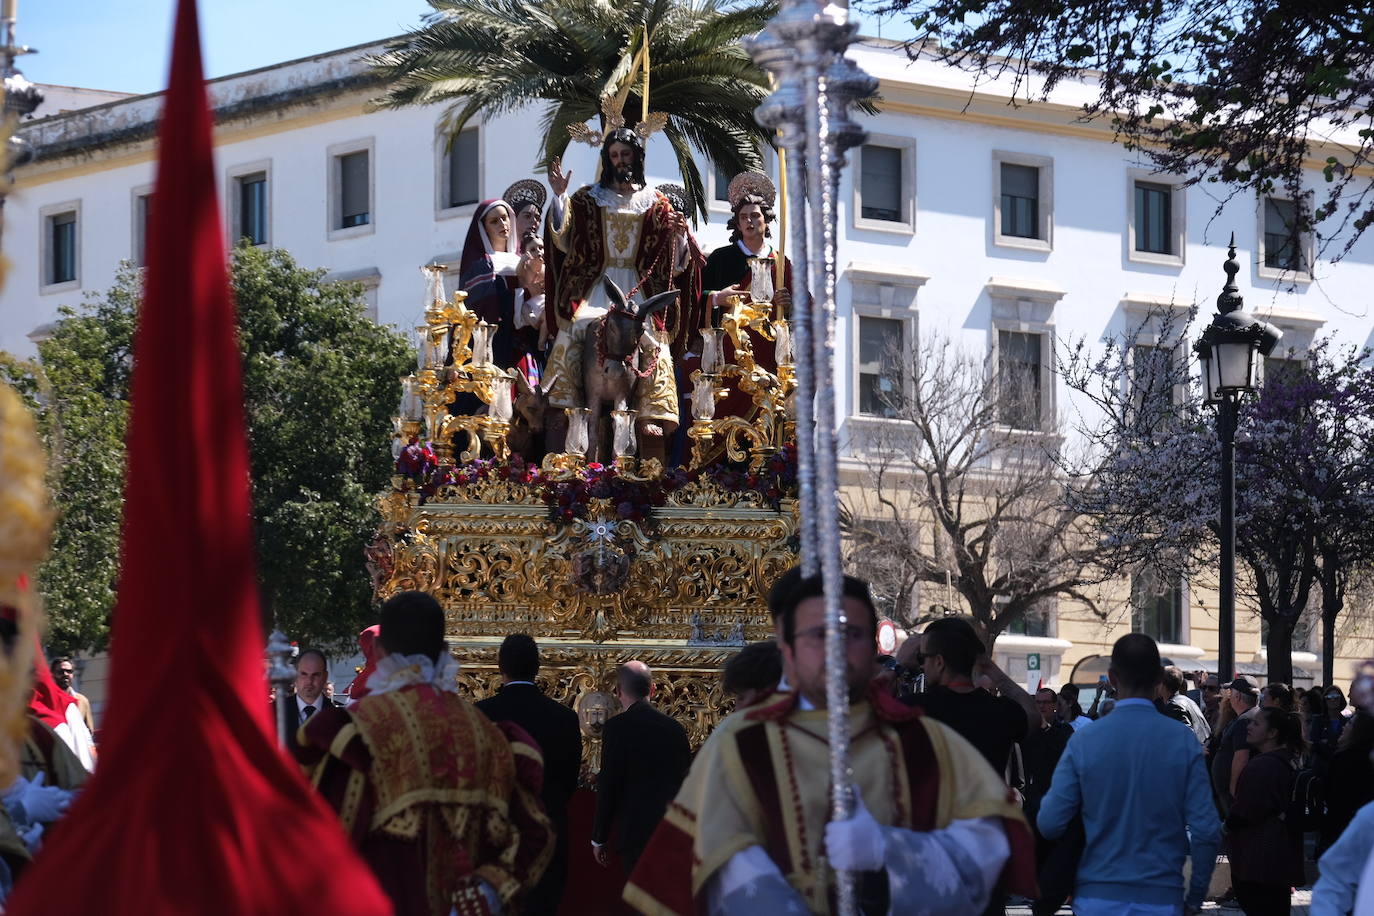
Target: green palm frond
{"type": "Point", "coordinates": [485, 58]}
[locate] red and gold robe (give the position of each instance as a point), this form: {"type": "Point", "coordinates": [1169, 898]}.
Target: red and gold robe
{"type": "Point", "coordinates": [433, 795]}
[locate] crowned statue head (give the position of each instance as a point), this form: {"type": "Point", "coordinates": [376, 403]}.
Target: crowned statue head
{"type": "Point", "coordinates": [622, 159]}
{"type": "Point", "coordinates": [676, 195]}
{"type": "Point", "coordinates": [751, 196]}
{"type": "Point", "coordinates": [527, 198]}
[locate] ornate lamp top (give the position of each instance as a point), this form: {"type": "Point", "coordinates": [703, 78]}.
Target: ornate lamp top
{"type": "Point", "coordinates": [1230, 299]}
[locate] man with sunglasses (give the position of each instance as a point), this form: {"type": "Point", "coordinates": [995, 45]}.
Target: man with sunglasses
{"type": "Point", "coordinates": [749, 830]}
{"type": "Point", "coordinates": [949, 654]}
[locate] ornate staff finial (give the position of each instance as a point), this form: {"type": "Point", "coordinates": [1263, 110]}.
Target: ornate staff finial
{"type": "Point", "coordinates": [1230, 299]}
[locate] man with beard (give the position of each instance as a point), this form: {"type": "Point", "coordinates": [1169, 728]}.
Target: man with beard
{"type": "Point", "coordinates": [622, 229]}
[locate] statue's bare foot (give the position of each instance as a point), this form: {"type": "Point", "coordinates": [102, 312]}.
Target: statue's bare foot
{"type": "Point", "coordinates": [653, 429]}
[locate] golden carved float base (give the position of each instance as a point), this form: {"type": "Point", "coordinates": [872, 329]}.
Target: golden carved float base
{"type": "Point", "coordinates": [681, 590]}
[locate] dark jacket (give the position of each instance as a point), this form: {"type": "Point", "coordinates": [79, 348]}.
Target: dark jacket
{"type": "Point", "coordinates": [1040, 753]}
{"type": "Point", "coordinates": [556, 729]}
{"type": "Point", "coordinates": [1264, 849]}
{"type": "Point", "coordinates": [645, 756]}
{"type": "Point", "coordinates": [293, 716]}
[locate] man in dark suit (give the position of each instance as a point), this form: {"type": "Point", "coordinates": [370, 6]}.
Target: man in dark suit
{"type": "Point", "coordinates": [555, 727]}
{"type": "Point", "coordinates": [644, 758]}
{"type": "Point", "coordinates": [312, 671]}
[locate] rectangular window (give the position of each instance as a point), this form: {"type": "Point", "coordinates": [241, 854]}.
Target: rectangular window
{"type": "Point", "coordinates": [1154, 218]}
{"type": "Point", "coordinates": [1018, 379]}
{"type": "Point", "coordinates": [722, 189]}
{"type": "Point", "coordinates": [1282, 240]}
{"type": "Point", "coordinates": [1152, 383]}
{"type": "Point", "coordinates": [1020, 200]}
{"type": "Point", "coordinates": [1282, 370]}
{"type": "Point", "coordinates": [62, 247]}
{"type": "Point", "coordinates": [252, 225]}
{"type": "Point", "coordinates": [1157, 607]}
{"type": "Point", "coordinates": [880, 355]}
{"type": "Point", "coordinates": [1035, 622]}
{"type": "Point", "coordinates": [142, 205]}
{"type": "Point", "coordinates": [463, 170]}
{"type": "Point", "coordinates": [354, 207]}
{"type": "Point", "coordinates": [881, 183]}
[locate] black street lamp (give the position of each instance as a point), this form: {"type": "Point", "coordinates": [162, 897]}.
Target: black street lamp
{"type": "Point", "coordinates": [21, 98]}
{"type": "Point", "coordinates": [1231, 350]}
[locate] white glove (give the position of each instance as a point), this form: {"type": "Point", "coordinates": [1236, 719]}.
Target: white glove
{"type": "Point", "coordinates": [857, 844]}
{"type": "Point", "coordinates": [44, 804]}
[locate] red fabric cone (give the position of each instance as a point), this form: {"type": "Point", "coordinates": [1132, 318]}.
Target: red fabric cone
{"type": "Point", "coordinates": [192, 809]}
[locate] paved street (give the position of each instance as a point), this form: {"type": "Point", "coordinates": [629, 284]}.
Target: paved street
{"type": "Point", "coordinates": [1302, 900]}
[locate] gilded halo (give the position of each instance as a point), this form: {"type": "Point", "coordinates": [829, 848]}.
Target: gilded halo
{"type": "Point", "coordinates": [526, 191]}
{"type": "Point", "coordinates": [755, 183]}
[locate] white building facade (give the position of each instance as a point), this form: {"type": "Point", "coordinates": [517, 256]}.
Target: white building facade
{"type": "Point", "coordinates": [1008, 228]}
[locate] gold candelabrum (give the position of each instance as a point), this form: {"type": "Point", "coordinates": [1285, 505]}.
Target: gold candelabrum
{"type": "Point", "coordinates": [774, 424]}
{"type": "Point", "coordinates": [454, 358]}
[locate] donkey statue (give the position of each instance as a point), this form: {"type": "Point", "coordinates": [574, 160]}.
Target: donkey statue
{"type": "Point", "coordinates": [612, 371]}
{"type": "Point", "coordinates": [526, 436]}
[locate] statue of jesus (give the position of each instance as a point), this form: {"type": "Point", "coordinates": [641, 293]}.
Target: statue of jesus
{"type": "Point", "coordinates": [625, 230]}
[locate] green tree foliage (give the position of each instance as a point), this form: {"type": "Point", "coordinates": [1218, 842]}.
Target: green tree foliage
{"type": "Point", "coordinates": [489, 57]}
{"type": "Point", "coordinates": [1238, 92]}
{"type": "Point", "coordinates": [321, 382]}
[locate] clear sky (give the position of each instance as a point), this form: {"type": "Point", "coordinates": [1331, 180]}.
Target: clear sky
{"type": "Point", "coordinates": [125, 45]}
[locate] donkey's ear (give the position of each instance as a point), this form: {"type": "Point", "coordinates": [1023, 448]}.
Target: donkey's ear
{"type": "Point", "coordinates": [614, 294]}
{"type": "Point", "coordinates": [657, 304]}
{"type": "Point", "coordinates": [523, 384]}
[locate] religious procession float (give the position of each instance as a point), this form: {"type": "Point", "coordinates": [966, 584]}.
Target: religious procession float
{"type": "Point", "coordinates": [573, 493]}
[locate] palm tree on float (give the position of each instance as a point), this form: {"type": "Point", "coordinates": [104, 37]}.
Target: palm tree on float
{"type": "Point", "coordinates": [490, 57]}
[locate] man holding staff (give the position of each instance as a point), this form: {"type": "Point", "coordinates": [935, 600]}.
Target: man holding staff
{"type": "Point", "coordinates": [932, 821]}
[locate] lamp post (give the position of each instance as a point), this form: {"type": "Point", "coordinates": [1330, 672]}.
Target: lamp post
{"type": "Point", "coordinates": [1230, 351]}
{"type": "Point", "coordinates": [21, 96]}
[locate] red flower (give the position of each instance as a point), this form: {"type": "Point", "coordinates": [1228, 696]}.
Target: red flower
{"type": "Point", "coordinates": [595, 466]}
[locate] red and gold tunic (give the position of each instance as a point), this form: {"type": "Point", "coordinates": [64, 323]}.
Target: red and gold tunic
{"type": "Point", "coordinates": [433, 794]}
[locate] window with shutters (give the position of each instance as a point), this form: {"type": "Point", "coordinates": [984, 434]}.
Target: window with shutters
{"type": "Point", "coordinates": [882, 348]}
{"type": "Point", "coordinates": [464, 169]}
{"type": "Point", "coordinates": [352, 182]}
{"type": "Point", "coordinates": [60, 230]}
{"type": "Point", "coordinates": [884, 176]}
{"type": "Point", "coordinates": [1020, 379]}
{"type": "Point", "coordinates": [720, 191]}
{"type": "Point", "coordinates": [1155, 377]}
{"type": "Point", "coordinates": [1156, 227]}
{"type": "Point", "coordinates": [1023, 200]}
{"type": "Point", "coordinates": [141, 206]}
{"type": "Point", "coordinates": [882, 183]}
{"type": "Point", "coordinates": [1153, 214]}
{"type": "Point", "coordinates": [1285, 247]}
{"type": "Point", "coordinates": [252, 208]}
{"type": "Point", "coordinates": [354, 207]}
{"type": "Point", "coordinates": [1020, 200]}
{"type": "Point", "coordinates": [1157, 606]}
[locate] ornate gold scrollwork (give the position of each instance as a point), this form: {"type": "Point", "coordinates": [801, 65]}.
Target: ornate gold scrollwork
{"type": "Point", "coordinates": [492, 555]}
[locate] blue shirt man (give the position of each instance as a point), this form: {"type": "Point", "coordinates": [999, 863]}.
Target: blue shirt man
{"type": "Point", "coordinates": [1139, 781]}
